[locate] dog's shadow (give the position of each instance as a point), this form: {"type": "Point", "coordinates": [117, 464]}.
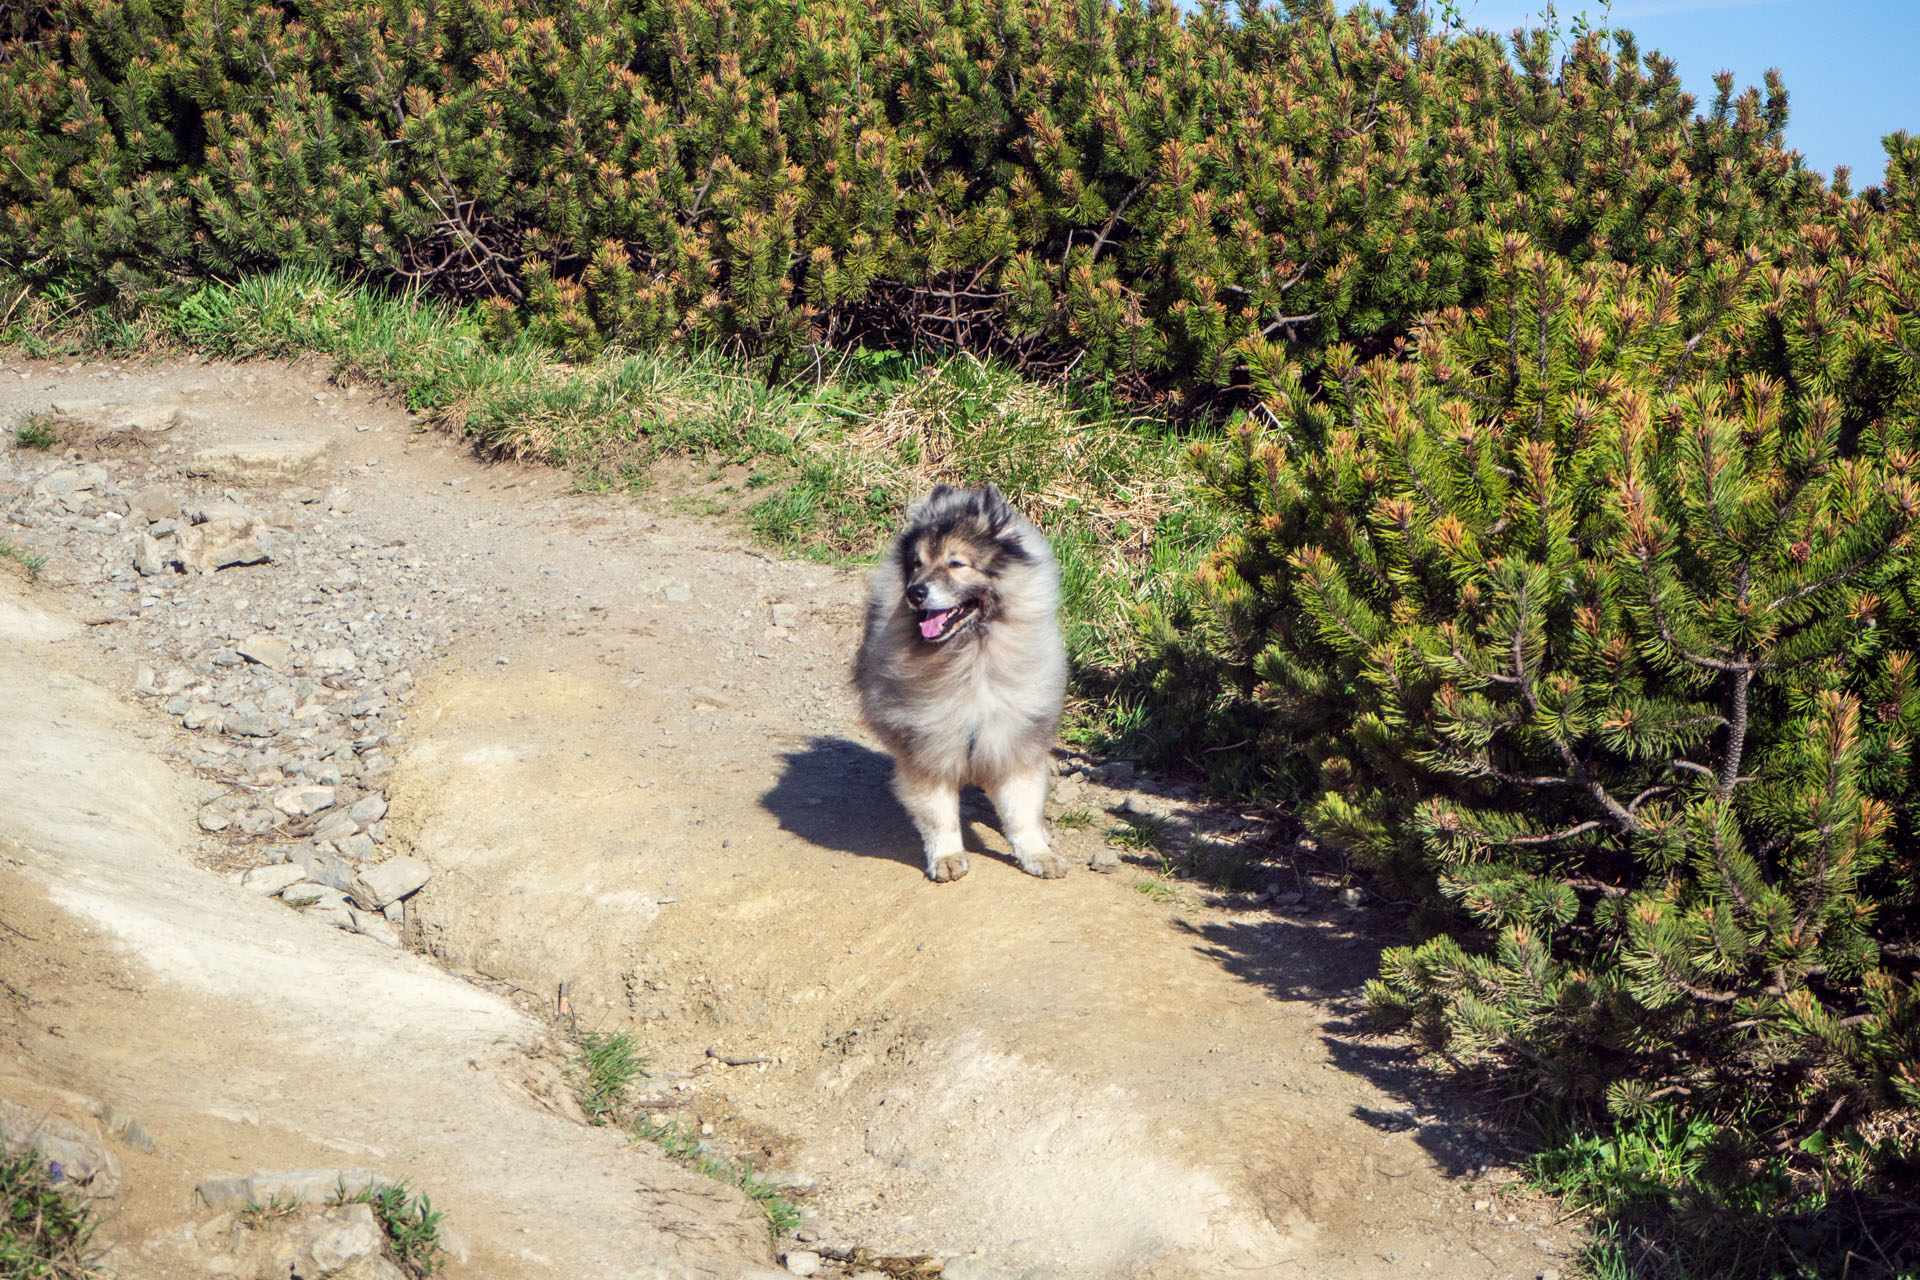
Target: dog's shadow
{"type": "Point", "coordinates": [836, 794]}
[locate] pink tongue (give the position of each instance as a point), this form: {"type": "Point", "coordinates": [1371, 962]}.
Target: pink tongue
{"type": "Point", "coordinates": [931, 624]}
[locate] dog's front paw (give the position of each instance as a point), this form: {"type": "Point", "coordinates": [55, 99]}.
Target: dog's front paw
{"type": "Point", "coordinates": [1046, 865]}
{"type": "Point", "coordinates": [952, 867]}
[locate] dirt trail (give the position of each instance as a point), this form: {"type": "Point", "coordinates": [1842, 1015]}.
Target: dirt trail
{"type": "Point", "coordinates": [629, 779]}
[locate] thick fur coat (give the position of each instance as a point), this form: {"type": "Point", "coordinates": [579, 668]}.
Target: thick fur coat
{"type": "Point", "coordinates": [962, 673]}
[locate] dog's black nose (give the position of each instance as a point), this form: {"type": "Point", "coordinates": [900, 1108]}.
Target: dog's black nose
{"type": "Point", "coordinates": [917, 594]}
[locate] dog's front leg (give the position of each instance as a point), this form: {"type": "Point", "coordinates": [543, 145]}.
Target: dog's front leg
{"type": "Point", "coordinates": [934, 806]}
{"type": "Point", "coordinates": [1021, 799]}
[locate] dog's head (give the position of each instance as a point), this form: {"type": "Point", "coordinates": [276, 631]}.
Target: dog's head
{"type": "Point", "coordinates": [959, 548]}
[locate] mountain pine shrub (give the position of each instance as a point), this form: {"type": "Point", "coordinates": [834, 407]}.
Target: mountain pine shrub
{"type": "Point", "coordinates": [1121, 189]}
{"type": "Point", "coordinates": [1590, 618]}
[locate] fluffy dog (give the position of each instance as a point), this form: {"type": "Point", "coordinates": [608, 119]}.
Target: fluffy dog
{"type": "Point", "coordinates": [961, 671]}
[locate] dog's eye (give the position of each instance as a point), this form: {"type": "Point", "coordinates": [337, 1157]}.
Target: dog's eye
{"type": "Point", "coordinates": [956, 564]}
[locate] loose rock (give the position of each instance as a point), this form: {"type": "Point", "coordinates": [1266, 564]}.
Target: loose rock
{"type": "Point", "coordinates": [272, 880]}
{"type": "Point", "coordinates": [295, 1186]}
{"type": "Point", "coordinates": [392, 880]}
{"type": "Point", "coordinates": [256, 460]}
{"type": "Point", "coordinates": [267, 650]}
{"type": "Point", "coordinates": [297, 802]}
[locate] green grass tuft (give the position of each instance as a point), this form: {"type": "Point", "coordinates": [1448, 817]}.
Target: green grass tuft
{"type": "Point", "coordinates": [412, 1226]}
{"type": "Point", "coordinates": [32, 561]}
{"type": "Point", "coordinates": [1076, 819]}
{"type": "Point", "coordinates": [45, 1233]}
{"type": "Point", "coordinates": [276, 1207]}
{"type": "Point", "coordinates": [1138, 833]}
{"type": "Point", "coordinates": [607, 1066]}
{"type": "Point", "coordinates": [678, 1142]}
{"type": "Point", "coordinates": [36, 432]}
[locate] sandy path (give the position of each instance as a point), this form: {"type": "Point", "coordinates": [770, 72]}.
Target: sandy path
{"type": "Point", "coordinates": [627, 779]}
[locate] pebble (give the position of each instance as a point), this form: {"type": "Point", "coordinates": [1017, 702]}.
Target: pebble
{"type": "Point", "coordinates": [802, 1262]}
{"type": "Point", "coordinates": [271, 880]}
{"type": "Point", "coordinates": [299, 801]}
{"type": "Point", "coordinates": [267, 650]}
{"type": "Point", "coordinates": [214, 818]}
{"type": "Point", "coordinates": [390, 881]}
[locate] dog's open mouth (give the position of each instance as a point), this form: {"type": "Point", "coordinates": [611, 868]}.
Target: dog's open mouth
{"type": "Point", "coordinates": [940, 624]}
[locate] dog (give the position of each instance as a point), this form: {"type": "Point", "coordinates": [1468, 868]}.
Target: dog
{"type": "Point", "coordinates": [962, 673]}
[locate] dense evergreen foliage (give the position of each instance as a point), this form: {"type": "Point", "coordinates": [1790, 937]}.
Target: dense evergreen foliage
{"type": "Point", "coordinates": [1122, 190]}
{"type": "Point", "coordinates": [1591, 618]}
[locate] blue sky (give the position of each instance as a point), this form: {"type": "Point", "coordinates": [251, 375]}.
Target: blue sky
{"type": "Point", "coordinates": [1852, 67]}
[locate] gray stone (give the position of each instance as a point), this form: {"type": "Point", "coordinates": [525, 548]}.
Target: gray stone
{"type": "Point", "coordinates": [1103, 859]}
{"type": "Point", "coordinates": [217, 509]}
{"type": "Point", "coordinates": [214, 818]}
{"type": "Point", "coordinates": [256, 460]}
{"type": "Point", "coordinates": [332, 660]}
{"type": "Point", "coordinates": [369, 808]}
{"type": "Point", "coordinates": [256, 724]}
{"type": "Point", "coordinates": [325, 868]}
{"type": "Point", "coordinates": [304, 893]}
{"type": "Point", "coordinates": [336, 826]}
{"type": "Point", "coordinates": [222, 544]}
{"type": "Point", "coordinates": [86, 410]}
{"type": "Point", "coordinates": [84, 1163]}
{"type": "Point", "coordinates": [677, 593]}
{"type": "Point", "coordinates": [785, 615]}
{"type": "Point", "coordinates": [295, 1186]}
{"type": "Point", "coordinates": [124, 1126]}
{"type": "Point", "coordinates": [1351, 897]}
{"type": "Point", "coordinates": [347, 1233]}
{"type": "Point", "coordinates": [358, 847]}
{"type": "Point", "coordinates": [390, 881]}
{"type": "Point", "coordinates": [272, 879]}
{"type": "Point", "coordinates": [63, 483]}
{"type": "Point", "coordinates": [151, 417]}
{"type": "Point", "coordinates": [338, 914]}
{"type": "Point", "coordinates": [802, 1262]}
{"type": "Point", "coordinates": [375, 925]}
{"type": "Point", "coordinates": [267, 650]}
{"type": "Point", "coordinates": [153, 557]}
{"type": "Point", "coordinates": [297, 802]}
{"type": "Point", "coordinates": [255, 822]}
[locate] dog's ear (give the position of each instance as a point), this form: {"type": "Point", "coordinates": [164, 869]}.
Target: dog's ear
{"type": "Point", "coordinates": [919, 508]}
{"type": "Point", "coordinates": [994, 504]}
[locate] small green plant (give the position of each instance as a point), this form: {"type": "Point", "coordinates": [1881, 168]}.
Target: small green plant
{"type": "Point", "coordinates": [32, 561]}
{"type": "Point", "coordinates": [45, 1232]}
{"type": "Point", "coordinates": [412, 1226]}
{"type": "Point", "coordinates": [679, 1142]}
{"type": "Point", "coordinates": [1138, 833]}
{"type": "Point", "coordinates": [255, 1216]}
{"type": "Point", "coordinates": [1676, 1194]}
{"type": "Point", "coordinates": [1076, 819]}
{"type": "Point", "coordinates": [1157, 888]}
{"type": "Point", "coordinates": [36, 432]}
{"type": "Point", "coordinates": [607, 1066]}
